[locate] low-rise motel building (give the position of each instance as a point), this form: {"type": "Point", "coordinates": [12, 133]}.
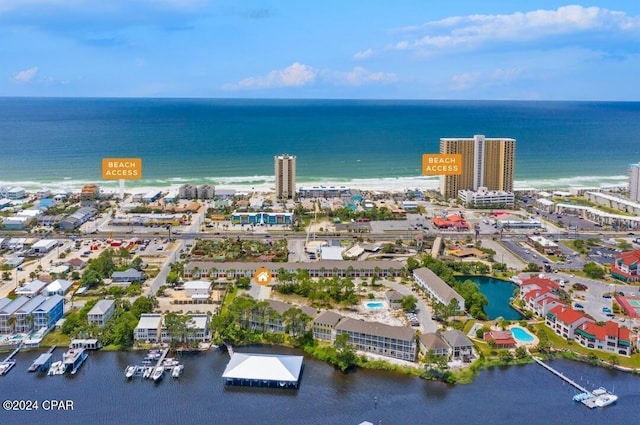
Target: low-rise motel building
{"type": "Point", "coordinates": [322, 268]}
{"type": "Point", "coordinates": [151, 328]}
{"type": "Point", "coordinates": [540, 295]}
{"type": "Point", "coordinates": [626, 266]}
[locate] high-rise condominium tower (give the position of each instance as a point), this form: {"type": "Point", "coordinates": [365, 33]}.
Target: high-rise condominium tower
{"type": "Point", "coordinates": [634, 182]}
{"type": "Point", "coordinates": [285, 171]}
{"type": "Point", "coordinates": [486, 162]}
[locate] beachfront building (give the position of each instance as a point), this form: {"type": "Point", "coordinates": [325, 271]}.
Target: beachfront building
{"type": "Point", "coordinates": [101, 312]}
{"type": "Point", "coordinates": [437, 288]}
{"type": "Point", "coordinates": [326, 192]}
{"type": "Point", "coordinates": [398, 342]}
{"type": "Point", "coordinates": [187, 191]}
{"type": "Point", "coordinates": [16, 193]}
{"type": "Point", "coordinates": [206, 191]}
{"type": "Point", "coordinates": [626, 266]}
{"type": "Point", "coordinates": [285, 174]}
{"type": "Point", "coordinates": [485, 198]}
{"type": "Point", "coordinates": [634, 182]}
{"type": "Point", "coordinates": [486, 162]}
{"type": "Point", "coordinates": [267, 218]}
{"type": "Point", "coordinates": [619, 203]}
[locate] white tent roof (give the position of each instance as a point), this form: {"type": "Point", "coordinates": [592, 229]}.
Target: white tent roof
{"type": "Point", "coordinates": [264, 367]}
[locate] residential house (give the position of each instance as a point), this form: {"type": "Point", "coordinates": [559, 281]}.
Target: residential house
{"type": "Point", "coordinates": [461, 346]}
{"type": "Point", "coordinates": [49, 312]}
{"type": "Point", "coordinates": [7, 324]}
{"type": "Point", "coordinates": [149, 328]}
{"type": "Point", "coordinates": [58, 286]}
{"type": "Point", "coordinates": [32, 288]}
{"type": "Point", "coordinates": [394, 298]}
{"type": "Point", "coordinates": [434, 343]}
{"type": "Point", "coordinates": [76, 263]}
{"type": "Point", "coordinates": [197, 290]}
{"type": "Point", "coordinates": [500, 339]}
{"type": "Point", "coordinates": [101, 312]}
{"type": "Point", "coordinates": [397, 342]}
{"type": "Point", "coordinates": [24, 315]}
{"type": "Point", "coordinates": [199, 328]}
{"type": "Point", "coordinates": [128, 276]}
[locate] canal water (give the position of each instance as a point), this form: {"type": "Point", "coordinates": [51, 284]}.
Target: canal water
{"type": "Point", "coordinates": [505, 395]}
{"type": "Point", "coordinates": [498, 293]}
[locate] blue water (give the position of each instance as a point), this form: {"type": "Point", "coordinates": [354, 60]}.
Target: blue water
{"type": "Point", "coordinates": [521, 335]}
{"type": "Point", "coordinates": [498, 293]}
{"type": "Point", "coordinates": [227, 141]}
{"type": "Point", "coordinates": [374, 305]}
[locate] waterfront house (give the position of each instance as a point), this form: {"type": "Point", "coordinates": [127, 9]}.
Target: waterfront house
{"type": "Point", "coordinates": [500, 339]}
{"type": "Point", "coordinates": [397, 342]}
{"type": "Point", "coordinates": [564, 320]}
{"type": "Point", "coordinates": [608, 337]}
{"type": "Point", "coordinates": [24, 315]}
{"type": "Point", "coordinates": [324, 325]}
{"type": "Point", "coordinates": [149, 328]}
{"type": "Point", "coordinates": [58, 286]}
{"type": "Point", "coordinates": [434, 343]}
{"type": "Point", "coordinates": [7, 324]}
{"type": "Point", "coordinates": [461, 346]}
{"type": "Point", "coordinates": [101, 312]}
{"type": "Point", "coordinates": [436, 287]}
{"type": "Point", "coordinates": [49, 312]}
{"type": "Point", "coordinates": [271, 319]}
{"type": "Point", "coordinates": [199, 328]}
{"type": "Point", "coordinates": [32, 288]}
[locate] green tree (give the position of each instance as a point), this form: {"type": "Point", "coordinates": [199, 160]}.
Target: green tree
{"type": "Point", "coordinates": [409, 303]}
{"type": "Point", "coordinates": [345, 353]}
{"type": "Point", "coordinates": [593, 270]}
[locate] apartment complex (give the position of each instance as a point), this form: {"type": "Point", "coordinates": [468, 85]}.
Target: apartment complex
{"type": "Point", "coordinates": [285, 173]}
{"type": "Point", "coordinates": [486, 162]}
{"type": "Point", "coordinates": [634, 182]}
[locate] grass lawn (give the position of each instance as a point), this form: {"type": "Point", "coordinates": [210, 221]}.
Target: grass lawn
{"type": "Point", "coordinates": [560, 343]}
{"type": "Point", "coordinates": [56, 338]}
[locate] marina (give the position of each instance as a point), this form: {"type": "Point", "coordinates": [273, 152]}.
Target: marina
{"type": "Point", "coordinates": [9, 362]}
{"type": "Point", "coordinates": [154, 365]}
{"type": "Point", "coordinates": [599, 397]}
{"type": "Point", "coordinates": [43, 362]}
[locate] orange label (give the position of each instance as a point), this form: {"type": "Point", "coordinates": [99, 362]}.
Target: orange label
{"type": "Point", "coordinates": [262, 276]}
{"type": "Point", "coordinates": [434, 164]}
{"type": "Point", "coordinates": [121, 168]}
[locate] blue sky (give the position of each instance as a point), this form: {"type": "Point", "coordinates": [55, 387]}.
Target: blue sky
{"type": "Point", "coordinates": [362, 49]}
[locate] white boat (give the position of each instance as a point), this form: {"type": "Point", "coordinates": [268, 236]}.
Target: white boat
{"type": "Point", "coordinates": [147, 372]}
{"type": "Point", "coordinates": [57, 368]}
{"type": "Point", "coordinates": [603, 397]}
{"type": "Point", "coordinates": [130, 371]}
{"type": "Point", "coordinates": [158, 372]}
{"type": "Point", "coordinates": [177, 371]}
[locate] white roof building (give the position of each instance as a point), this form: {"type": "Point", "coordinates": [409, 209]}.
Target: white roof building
{"type": "Point", "coordinates": [44, 245]}
{"type": "Point", "coordinates": [279, 369]}
{"type": "Point", "coordinates": [32, 288]}
{"type": "Point", "coordinates": [58, 286]}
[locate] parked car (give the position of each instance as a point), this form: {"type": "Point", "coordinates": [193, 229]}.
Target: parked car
{"type": "Point", "coordinates": [578, 306]}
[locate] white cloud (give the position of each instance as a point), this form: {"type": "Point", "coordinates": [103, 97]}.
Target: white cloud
{"type": "Point", "coordinates": [365, 54]}
{"type": "Point", "coordinates": [473, 30]}
{"type": "Point", "coordinates": [359, 76]}
{"type": "Point", "coordinates": [463, 81]}
{"type": "Point", "coordinates": [295, 75]}
{"type": "Point", "coordinates": [26, 75]}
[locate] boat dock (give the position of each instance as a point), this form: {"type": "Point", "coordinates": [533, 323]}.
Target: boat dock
{"type": "Point", "coordinates": [43, 362]}
{"type": "Point", "coordinates": [9, 363]}
{"type": "Point", "coordinates": [588, 398]}
{"type": "Point", "coordinates": [154, 364]}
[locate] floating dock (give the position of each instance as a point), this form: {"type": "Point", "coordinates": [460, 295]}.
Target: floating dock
{"type": "Point", "coordinates": [588, 398]}
{"type": "Point", "coordinates": [154, 364]}
{"type": "Point", "coordinates": [9, 363]}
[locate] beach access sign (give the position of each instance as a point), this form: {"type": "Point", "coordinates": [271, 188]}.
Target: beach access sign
{"type": "Point", "coordinates": [434, 164]}
{"type": "Point", "coordinates": [121, 168]}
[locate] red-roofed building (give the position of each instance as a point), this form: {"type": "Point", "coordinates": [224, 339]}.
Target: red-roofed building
{"type": "Point", "coordinates": [502, 339]}
{"type": "Point", "coordinates": [609, 337]}
{"type": "Point", "coordinates": [453, 221]}
{"type": "Point", "coordinates": [626, 266]}
{"type": "Point", "coordinates": [564, 320]}
{"type": "Point", "coordinates": [539, 295]}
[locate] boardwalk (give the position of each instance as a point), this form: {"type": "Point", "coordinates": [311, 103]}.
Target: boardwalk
{"type": "Point", "coordinates": [561, 376]}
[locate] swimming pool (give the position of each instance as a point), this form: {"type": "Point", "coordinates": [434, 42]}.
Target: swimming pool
{"type": "Point", "coordinates": [522, 335]}
{"type": "Point", "coordinates": [375, 304]}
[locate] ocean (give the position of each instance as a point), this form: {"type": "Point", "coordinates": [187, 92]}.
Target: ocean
{"type": "Point", "coordinates": [527, 395]}
{"type": "Point", "coordinates": [59, 142]}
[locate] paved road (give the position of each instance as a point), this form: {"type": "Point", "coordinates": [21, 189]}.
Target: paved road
{"type": "Point", "coordinates": [427, 324]}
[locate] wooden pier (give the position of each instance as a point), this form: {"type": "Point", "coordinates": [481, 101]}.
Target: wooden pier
{"type": "Point", "coordinates": [562, 376]}
{"type": "Point", "coordinates": [9, 363]}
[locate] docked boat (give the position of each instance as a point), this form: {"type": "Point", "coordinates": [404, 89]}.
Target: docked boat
{"type": "Point", "coordinates": [603, 397]}
{"type": "Point", "coordinates": [157, 374]}
{"type": "Point", "coordinates": [57, 368]}
{"type": "Point", "coordinates": [74, 358]}
{"type": "Point", "coordinates": [177, 371]}
{"type": "Point", "coordinates": [6, 366]}
{"type": "Point", "coordinates": [147, 372]}
{"type": "Point", "coordinates": [130, 371]}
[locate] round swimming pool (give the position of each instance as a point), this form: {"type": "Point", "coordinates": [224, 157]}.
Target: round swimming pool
{"type": "Point", "coordinates": [375, 304]}
{"type": "Point", "coordinates": [522, 335]}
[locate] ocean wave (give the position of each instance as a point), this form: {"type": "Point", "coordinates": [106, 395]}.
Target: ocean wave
{"type": "Point", "coordinates": [569, 182]}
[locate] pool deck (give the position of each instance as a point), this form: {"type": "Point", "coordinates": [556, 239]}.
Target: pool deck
{"type": "Point", "coordinates": [534, 341]}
